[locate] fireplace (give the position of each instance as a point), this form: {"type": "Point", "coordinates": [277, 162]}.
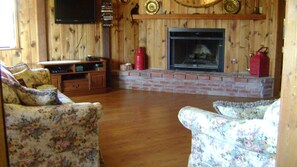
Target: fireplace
{"type": "Point", "coordinates": [196, 49]}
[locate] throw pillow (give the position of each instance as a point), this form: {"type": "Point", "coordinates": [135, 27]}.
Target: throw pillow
{"type": "Point", "coordinates": [9, 95]}
{"type": "Point", "coordinates": [272, 112]}
{"type": "Point", "coordinates": [17, 68]}
{"type": "Point", "coordinates": [243, 110]}
{"type": "Point", "coordinates": [34, 97]}
{"type": "Point", "coordinates": [27, 78]}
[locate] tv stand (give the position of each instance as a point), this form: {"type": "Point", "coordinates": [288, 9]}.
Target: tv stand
{"type": "Point", "coordinates": [75, 77]}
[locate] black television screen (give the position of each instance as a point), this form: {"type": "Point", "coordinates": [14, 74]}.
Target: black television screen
{"type": "Point", "coordinates": [75, 11]}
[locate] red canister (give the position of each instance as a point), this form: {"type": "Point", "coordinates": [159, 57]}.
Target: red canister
{"type": "Point", "coordinates": [259, 63]}
{"type": "Point", "coordinates": [139, 59]}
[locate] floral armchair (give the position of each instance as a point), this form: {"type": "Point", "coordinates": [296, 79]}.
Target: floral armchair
{"type": "Point", "coordinates": [233, 138]}
{"type": "Point", "coordinates": [44, 127]}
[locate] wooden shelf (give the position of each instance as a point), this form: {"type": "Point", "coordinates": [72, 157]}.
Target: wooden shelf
{"type": "Point", "coordinates": [76, 77]}
{"type": "Point", "coordinates": [202, 16]}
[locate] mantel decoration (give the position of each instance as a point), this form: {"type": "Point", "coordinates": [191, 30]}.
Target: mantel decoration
{"type": "Point", "coordinates": [232, 6]}
{"type": "Point", "coordinates": [152, 7]}
{"type": "Point", "coordinates": [197, 3]}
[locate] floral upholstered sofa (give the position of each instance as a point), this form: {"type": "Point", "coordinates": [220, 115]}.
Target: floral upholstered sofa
{"type": "Point", "coordinates": [241, 135]}
{"type": "Point", "coordinates": [44, 127]}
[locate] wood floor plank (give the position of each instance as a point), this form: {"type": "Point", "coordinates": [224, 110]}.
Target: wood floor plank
{"type": "Point", "coordinates": [140, 128]}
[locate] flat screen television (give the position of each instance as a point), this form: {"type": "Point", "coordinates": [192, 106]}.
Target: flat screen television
{"type": "Point", "coordinates": [75, 11]}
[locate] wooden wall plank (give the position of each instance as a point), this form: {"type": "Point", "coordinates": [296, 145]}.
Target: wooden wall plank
{"type": "Point", "coordinates": [63, 40]}
{"type": "Point", "coordinates": [255, 32]}
{"type": "Point", "coordinates": [287, 137]}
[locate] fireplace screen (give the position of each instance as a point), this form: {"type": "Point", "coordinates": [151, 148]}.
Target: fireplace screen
{"type": "Point", "coordinates": [196, 49]}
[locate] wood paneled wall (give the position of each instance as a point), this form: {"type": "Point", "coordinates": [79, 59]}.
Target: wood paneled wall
{"type": "Point", "coordinates": [72, 41]}
{"type": "Point", "coordinates": [124, 34]}
{"type": "Point", "coordinates": [27, 46]}
{"type": "Point", "coordinates": [75, 41]}
{"type": "Point", "coordinates": [242, 36]}
{"type": "Point", "coordinates": [287, 137]}
{"type": "Point", "coordinates": [63, 41]}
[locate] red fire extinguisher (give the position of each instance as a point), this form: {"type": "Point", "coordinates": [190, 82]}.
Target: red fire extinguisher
{"type": "Point", "coordinates": [139, 59]}
{"type": "Point", "coordinates": [259, 63]}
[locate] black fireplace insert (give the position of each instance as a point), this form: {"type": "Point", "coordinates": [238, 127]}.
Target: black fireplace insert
{"type": "Point", "coordinates": [196, 49]}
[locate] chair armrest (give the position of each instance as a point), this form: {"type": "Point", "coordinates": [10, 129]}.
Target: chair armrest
{"type": "Point", "coordinates": [53, 134]}
{"type": "Point", "coordinates": [243, 110]}
{"type": "Point", "coordinates": [255, 135]}
{"type": "Point", "coordinates": [43, 75]}
{"type": "Point", "coordinates": [54, 115]}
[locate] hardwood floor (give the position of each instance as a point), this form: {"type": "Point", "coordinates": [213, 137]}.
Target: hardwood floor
{"type": "Point", "coordinates": [141, 128]}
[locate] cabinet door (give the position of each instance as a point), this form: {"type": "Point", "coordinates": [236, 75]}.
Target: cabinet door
{"type": "Point", "coordinates": [97, 80]}
{"type": "Point", "coordinates": [56, 81]}
{"type": "Point", "coordinates": [76, 85]}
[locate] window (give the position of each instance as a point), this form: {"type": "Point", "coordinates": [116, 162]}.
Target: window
{"type": "Point", "coordinates": [8, 25]}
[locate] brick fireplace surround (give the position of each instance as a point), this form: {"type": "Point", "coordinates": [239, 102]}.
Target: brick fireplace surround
{"type": "Point", "coordinates": [206, 83]}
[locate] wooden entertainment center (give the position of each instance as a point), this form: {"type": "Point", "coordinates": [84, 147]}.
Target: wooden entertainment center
{"type": "Point", "coordinates": [76, 77]}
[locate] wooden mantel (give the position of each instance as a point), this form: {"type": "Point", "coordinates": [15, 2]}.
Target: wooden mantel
{"type": "Point", "coordinates": [202, 16]}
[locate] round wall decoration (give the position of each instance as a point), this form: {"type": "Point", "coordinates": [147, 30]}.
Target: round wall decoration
{"type": "Point", "coordinates": [152, 7]}
{"type": "Point", "coordinates": [231, 6]}
{"type": "Point", "coordinates": [197, 3]}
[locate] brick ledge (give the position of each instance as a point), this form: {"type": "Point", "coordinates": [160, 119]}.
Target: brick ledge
{"type": "Point", "coordinates": [192, 82]}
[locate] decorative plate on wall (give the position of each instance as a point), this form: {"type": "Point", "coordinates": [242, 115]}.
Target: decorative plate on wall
{"type": "Point", "coordinates": [152, 7]}
{"type": "Point", "coordinates": [231, 6]}
{"type": "Point", "coordinates": [197, 3]}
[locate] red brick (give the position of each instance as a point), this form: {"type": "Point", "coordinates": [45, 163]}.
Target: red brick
{"type": "Point", "coordinates": [226, 85]}
{"type": "Point", "coordinates": [145, 75]}
{"type": "Point", "coordinates": [167, 75]}
{"type": "Point", "coordinates": [157, 85]}
{"type": "Point", "coordinates": [164, 82]}
{"type": "Point", "coordinates": [228, 79]}
{"type": "Point", "coordinates": [203, 77]}
{"type": "Point", "coordinates": [156, 74]}
{"type": "Point", "coordinates": [180, 76]}
{"type": "Point", "coordinates": [134, 73]}
{"type": "Point", "coordinates": [180, 87]}
{"type": "Point", "coordinates": [232, 90]}
{"type": "Point", "coordinates": [241, 80]}
{"type": "Point", "coordinates": [200, 84]}
{"type": "Point", "coordinates": [216, 78]}
{"type": "Point", "coordinates": [190, 83]}
{"type": "Point", "coordinates": [253, 80]}
{"type": "Point", "coordinates": [147, 85]}
{"type": "Point", "coordinates": [205, 88]}
{"type": "Point", "coordinates": [191, 76]}
{"type": "Point", "coordinates": [214, 85]}
{"type": "Point", "coordinates": [243, 91]}
{"type": "Point", "coordinates": [218, 89]}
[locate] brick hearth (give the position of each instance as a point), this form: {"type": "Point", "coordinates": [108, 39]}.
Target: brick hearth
{"type": "Point", "coordinates": [208, 83]}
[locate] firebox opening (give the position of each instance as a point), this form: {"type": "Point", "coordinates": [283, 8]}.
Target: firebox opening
{"type": "Point", "coordinates": [196, 49]}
